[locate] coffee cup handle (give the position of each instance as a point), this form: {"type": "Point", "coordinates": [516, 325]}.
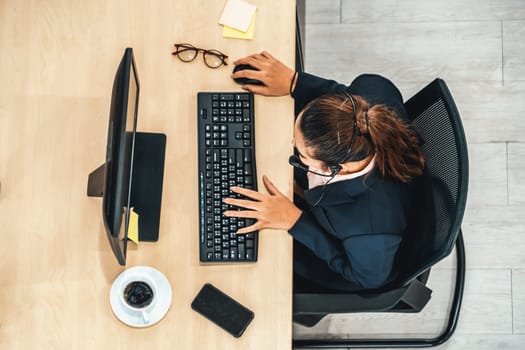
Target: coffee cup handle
{"type": "Point", "coordinates": [145, 316]}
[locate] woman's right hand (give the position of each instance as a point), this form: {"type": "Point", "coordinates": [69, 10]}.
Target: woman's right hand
{"type": "Point", "coordinates": [274, 74]}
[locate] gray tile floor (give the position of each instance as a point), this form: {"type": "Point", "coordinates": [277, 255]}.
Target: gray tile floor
{"type": "Point", "coordinates": [478, 48]}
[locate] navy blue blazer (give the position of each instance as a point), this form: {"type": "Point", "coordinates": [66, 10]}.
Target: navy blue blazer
{"type": "Point", "coordinates": [353, 234]}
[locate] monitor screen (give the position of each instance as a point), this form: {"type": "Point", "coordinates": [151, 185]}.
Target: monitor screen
{"type": "Point", "coordinates": [132, 174]}
{"type": "Point", "coordinates": [119, 154]}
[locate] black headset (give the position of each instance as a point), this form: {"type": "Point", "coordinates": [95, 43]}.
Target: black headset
{"type": "Point", "coordinates": [334, 168]}
{"type": "Point", "coordinates": [296, 162]}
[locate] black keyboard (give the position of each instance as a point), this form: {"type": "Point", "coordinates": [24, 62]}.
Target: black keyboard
{"type": "Point", "coordinates": [226, 158]}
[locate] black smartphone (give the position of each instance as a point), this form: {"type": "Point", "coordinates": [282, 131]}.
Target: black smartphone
{"type": "Point", "coordinates": [222, 310]}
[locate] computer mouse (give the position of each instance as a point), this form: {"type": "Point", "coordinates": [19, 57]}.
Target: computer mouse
{"type": "Point", "coordinates": [244, 81]}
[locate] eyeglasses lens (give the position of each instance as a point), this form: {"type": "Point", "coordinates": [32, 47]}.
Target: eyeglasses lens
{"type": "Point", "coordinates": [212, 60]}
{"type": "Point", "coordinates": [186, 53]}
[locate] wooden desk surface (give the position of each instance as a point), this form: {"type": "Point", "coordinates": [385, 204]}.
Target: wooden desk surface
{"type": "Point", "coordinates": [57, 63]}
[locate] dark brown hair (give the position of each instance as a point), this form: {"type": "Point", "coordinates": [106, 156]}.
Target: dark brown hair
{"type": "Point", "coordinates": [327, 124]}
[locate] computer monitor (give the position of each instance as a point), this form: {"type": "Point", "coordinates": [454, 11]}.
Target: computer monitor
{"type": "Point", "coordinates": [132, 161]}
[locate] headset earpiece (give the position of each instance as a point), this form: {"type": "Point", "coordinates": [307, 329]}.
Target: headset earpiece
{"type": "Point", "coordinates": [335, 169]}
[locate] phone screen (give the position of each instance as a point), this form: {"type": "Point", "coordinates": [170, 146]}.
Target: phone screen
{"type": "Point", "coordinates": [222, 310]}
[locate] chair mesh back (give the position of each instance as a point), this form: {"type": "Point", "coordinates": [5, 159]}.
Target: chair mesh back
{"type": "Point", "coordinates": [440, 195]}
{"type": "Point", "coordinates": [441, 157]}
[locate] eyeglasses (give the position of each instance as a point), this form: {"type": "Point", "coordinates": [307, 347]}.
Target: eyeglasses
{"type": "Point", "coordinates": [212, 58]}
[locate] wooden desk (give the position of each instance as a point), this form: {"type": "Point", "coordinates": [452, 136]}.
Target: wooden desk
{"type": "Point", "coordinates": [57, 63]}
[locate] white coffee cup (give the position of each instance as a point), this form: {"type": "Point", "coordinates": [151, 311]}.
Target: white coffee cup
{"type": "Point", "coordinates": [140, 282]}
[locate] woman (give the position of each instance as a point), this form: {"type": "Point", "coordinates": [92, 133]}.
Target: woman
{"type": "Point", "coordinates": [355, 160]}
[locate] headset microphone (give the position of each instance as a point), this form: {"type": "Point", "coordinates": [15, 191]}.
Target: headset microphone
{"type": "Point", "coordinates": [296, 162]}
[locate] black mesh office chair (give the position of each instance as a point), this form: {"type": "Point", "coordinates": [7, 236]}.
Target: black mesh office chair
{"type": "Point", "coordinates": [433, 231]}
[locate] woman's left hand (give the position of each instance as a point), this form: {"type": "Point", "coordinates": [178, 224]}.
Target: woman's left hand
{"type": "Point", "coordinates": [273, 211]}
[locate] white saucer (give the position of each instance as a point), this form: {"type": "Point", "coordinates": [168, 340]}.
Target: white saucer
{"type": "Point", "coordinates": [158, 307]}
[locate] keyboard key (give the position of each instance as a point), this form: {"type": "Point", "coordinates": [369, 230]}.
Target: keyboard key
{"type": "Point", "coordinates": [248, 169]}
{"type": "Point", "coordinates": [233, 253]}
{"type": "Point", "coordinates": [242, 252]}
{"type": "Point", "coordinates": [247, 156]}
{"type": "Point", "coordinates": [226, 97]}
{"type": "Point", "coordinates": [239, 158]}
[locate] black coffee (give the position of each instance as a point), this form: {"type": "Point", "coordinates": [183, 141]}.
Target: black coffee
{"type": "Point", "coordinates": [138, 294]}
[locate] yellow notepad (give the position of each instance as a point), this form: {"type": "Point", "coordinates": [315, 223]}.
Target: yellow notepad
{"type": "Point", "coordinates": [133, 228]}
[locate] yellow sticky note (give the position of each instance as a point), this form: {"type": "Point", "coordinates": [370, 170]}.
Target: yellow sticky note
{"type": "Point", "coordinates": [229, 32]}
{"type": "Point", "coordinates": [237, 14]}
{"type": "Point", "coordinates": [133, 228]}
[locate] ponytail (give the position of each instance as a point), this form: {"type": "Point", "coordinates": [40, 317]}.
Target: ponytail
{"type": "Point", "coordinates": [397, 150]}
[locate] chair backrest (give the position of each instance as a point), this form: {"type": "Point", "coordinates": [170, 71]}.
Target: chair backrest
{"type": "Point", "coordinates": [440, 195]}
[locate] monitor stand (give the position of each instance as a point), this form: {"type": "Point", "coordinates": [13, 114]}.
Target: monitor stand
{"type": "Point", "coordinates": [146, 184]}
